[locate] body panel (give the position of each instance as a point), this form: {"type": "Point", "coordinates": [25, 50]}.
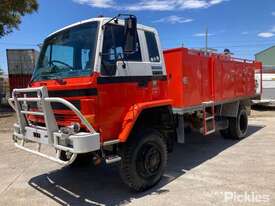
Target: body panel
{"type": "Point", "coordinates": [195, 78]}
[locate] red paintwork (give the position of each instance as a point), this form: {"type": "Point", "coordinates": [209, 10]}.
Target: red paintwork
{"type": "Point", "coordinates": [115, 101]}
{"type": "Point", "coordinates": [195, 78]}
{"type": "Point", "coordinates": [109, 111]}
{"type": "Point", "coordinates": [114, 110]}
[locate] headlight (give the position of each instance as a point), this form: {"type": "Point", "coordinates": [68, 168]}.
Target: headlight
{"type": "Point", "coordinates": [72, 129]}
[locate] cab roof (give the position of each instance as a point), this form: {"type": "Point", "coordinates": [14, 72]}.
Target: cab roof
{"type": "Point", "coordinates": [102, 20]}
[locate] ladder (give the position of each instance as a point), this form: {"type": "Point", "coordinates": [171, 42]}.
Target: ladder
{"type": "Point", "coordinates": [209, 117]}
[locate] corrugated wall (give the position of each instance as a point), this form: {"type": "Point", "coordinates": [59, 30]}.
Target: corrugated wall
{"type": "Point", "coordinates": [21, 63]}
{"type": "Point", "coordinates": [267, 57]}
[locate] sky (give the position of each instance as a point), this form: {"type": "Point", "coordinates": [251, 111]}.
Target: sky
{"type": "Point", "coordinates": [243, 26]}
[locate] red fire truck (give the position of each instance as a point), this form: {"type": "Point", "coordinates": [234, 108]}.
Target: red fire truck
{"type": "Point", "coordinates": [103, 89]}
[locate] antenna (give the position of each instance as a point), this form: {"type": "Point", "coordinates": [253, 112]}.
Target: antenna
{"type": "Point", "coordinates": [206, 41]}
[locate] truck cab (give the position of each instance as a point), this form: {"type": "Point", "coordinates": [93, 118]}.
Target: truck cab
{"type": "Point", "coordinates": [86, 64]}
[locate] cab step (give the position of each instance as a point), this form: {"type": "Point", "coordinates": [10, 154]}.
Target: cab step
{"type": "Point", "coordinates": [112, 159]}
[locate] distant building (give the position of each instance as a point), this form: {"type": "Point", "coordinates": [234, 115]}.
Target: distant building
{"type": "Point", "coordinates": [267, 57]}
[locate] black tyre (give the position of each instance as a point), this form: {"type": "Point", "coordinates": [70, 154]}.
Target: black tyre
{"type": "Point", "coordinates": [237, 126]}
{"type": "Point", "coordinates": [80, 161]}
{"type": "Point", "coordinates": [144, 160]}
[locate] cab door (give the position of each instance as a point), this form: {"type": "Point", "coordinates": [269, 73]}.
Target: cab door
{"type": "Point", "coordinates": [123, 80]}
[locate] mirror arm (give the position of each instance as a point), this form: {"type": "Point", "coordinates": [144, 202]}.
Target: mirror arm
{"type": "Point", "coordinates": [115, 19]}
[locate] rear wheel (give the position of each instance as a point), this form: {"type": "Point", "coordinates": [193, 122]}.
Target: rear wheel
{"type": "Point", "coordinates": [237, 126]}
{"type": "Point", "coordinates": [144, 159]}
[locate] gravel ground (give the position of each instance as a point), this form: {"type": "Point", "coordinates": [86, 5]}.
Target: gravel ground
{"type": "Point", "coordinates": [204, 171]}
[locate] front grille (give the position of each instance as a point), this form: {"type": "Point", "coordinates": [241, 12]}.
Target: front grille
{"type": "Point", "coordinates": [57, 106]}
{"type": "Point", "coordinates": [61, 119]}
{"type": "Point", "coordinates": [69, 93]}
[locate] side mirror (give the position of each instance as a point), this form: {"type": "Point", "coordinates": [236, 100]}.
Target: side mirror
{"type": "Point", "coordinates": [130, 34]}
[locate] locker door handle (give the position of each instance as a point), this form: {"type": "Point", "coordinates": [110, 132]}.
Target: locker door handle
{"type": "Point", "coordinates": [185, 80]}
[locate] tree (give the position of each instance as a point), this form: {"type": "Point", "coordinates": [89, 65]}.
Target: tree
{"type": "Point", "coordinates": [11, 12]}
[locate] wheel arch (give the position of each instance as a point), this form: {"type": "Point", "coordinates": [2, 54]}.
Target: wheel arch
{"type": "Point", "coordinates": [231, 109]}
{"type": "Point", "coordinates": [145, 113]}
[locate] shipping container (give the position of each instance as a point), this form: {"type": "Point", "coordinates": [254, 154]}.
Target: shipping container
{"type": "Point", "coordinates": [19, 81]}
{"type": "Point", "coordinates": [21, 63]}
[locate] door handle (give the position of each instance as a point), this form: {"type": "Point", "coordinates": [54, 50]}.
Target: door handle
{"type": "Point", "coordinates": [143, 83]}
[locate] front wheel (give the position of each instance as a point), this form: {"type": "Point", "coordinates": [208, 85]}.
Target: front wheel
{"type": "Point", "coordinates": [144, 159]}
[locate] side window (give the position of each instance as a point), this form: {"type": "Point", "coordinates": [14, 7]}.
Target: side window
{"type": "Point", "coordinates": [152, 47]}
{"type": "Point", "coordinates": [113, 47]}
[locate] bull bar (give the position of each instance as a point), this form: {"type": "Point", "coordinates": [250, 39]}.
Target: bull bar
{"type": "Point", "coordinates": [25, 131]}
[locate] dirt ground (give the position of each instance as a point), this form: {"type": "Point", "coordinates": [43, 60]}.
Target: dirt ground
{"type": "Point", "coordinates": [204, 171]}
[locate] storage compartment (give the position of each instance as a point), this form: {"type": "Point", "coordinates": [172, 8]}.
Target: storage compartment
{"type": "Point", "coordinates": [194, 77]}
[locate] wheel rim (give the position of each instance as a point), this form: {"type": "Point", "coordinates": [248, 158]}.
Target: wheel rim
{"type": "Point", "coordinates": [148, 161]}
{"type": "Point", "coordinates": [243, 123]}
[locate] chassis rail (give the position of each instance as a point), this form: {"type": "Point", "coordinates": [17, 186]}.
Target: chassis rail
{"type": "Point", "coordinates": [25, 131]}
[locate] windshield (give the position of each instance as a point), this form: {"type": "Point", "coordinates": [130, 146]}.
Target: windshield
{"type": "Point", "coordinates": [69, 53]}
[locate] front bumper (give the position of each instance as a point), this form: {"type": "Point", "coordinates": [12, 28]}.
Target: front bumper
{"type": "Point", "coordinates": [26, 132]}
